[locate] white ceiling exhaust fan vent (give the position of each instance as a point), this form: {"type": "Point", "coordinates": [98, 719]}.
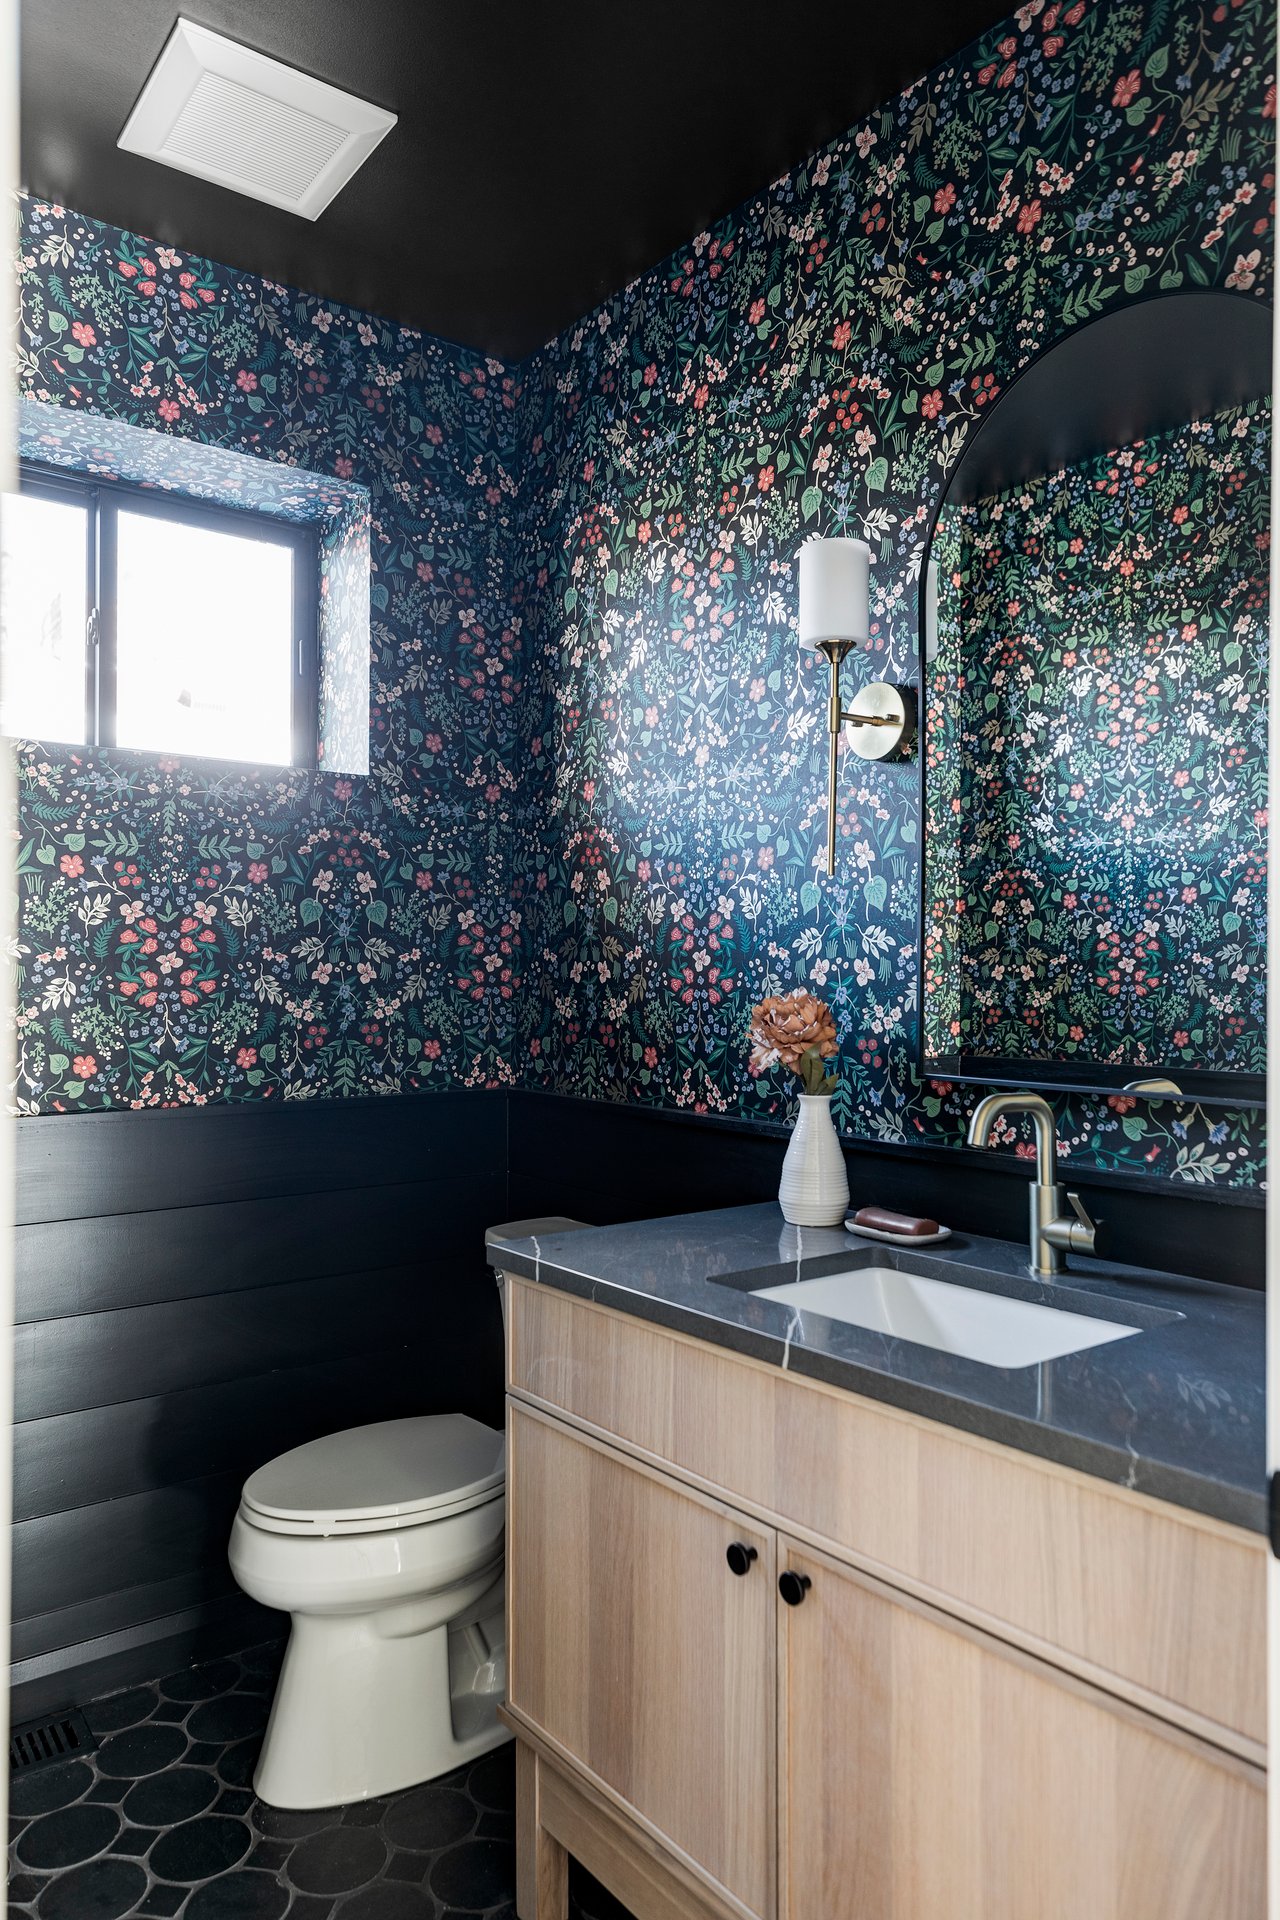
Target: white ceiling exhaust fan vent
{"type": "Point", "coordinates": [227, 114]}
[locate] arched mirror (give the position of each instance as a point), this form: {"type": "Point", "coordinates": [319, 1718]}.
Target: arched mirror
{"type": "Point", "coordinates": [1093, 672]}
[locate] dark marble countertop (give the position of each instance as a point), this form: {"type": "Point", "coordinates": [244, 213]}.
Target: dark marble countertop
{"type": "Point", "coordinates": [1175, 1411]}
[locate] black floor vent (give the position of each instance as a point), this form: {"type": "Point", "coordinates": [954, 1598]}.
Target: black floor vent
{"type": "Point", "coordinates": [40, 1742]}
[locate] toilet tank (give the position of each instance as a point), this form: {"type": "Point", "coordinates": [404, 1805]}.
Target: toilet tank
{"type": "Point", "coordinates": [525, 1230]}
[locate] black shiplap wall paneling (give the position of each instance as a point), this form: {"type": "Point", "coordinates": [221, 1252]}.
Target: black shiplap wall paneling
{"type": "Point", "coordinates": [82, 1166]}
{"type": "Point", "coordinates": [106, 1452]}
{"type": "Point", "coordinates": [605, 1163]}
{"type": "Point", "coordinates": [136, 1353]}
{"type": "Point", "coordinates": [198, 1291]}
{"type": "Point", "coordinates": [68, 1559]}
{"type": "Point", "coordinates": [203, 1583]}
{"type": "Point", "coordinates": [67, 1267]}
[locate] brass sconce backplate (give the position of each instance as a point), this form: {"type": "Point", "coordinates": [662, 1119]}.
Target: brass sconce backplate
{"type": "Point", "coordinates": [883, 719]}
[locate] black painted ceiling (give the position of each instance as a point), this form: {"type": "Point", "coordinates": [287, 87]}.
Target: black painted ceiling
{"type": "Point", "coordinates": [545, 153]}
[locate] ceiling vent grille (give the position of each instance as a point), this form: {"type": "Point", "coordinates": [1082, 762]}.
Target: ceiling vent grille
{"type": "Point", "coordinates": [233, 116]}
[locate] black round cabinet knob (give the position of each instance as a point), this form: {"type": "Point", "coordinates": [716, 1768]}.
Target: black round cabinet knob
{"type": "Point", "coordinates": [793, 1587]}
{"type": "Point", "coordinates": [740, 1557]}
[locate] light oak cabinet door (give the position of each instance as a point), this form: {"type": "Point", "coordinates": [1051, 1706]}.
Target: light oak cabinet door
{"type": "Point", "coordinates": [637, 1650]}
{"type": "Point", "coordinates": [930, 1771]}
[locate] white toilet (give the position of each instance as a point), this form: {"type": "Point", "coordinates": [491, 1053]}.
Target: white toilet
{"type": "Point", "coordinates": [385, 1544]}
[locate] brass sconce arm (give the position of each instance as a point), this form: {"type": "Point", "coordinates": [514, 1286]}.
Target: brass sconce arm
{"type": "Point", "coordinates": [891, 712]}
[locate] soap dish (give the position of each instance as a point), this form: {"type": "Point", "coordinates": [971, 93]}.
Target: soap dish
{"type": "Point", "coordinates": [897, 1239]}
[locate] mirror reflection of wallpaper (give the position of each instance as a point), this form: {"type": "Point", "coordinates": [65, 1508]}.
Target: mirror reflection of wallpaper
{"type": "Point", "coordinates": [1097, 778]}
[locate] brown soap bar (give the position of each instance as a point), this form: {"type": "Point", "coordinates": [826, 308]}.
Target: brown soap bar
{"type": "Point", "coordinates": [882, 1220]}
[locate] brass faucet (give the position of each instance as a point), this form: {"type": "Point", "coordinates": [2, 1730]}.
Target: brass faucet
{"type": "Point", "coordinates": [1054, 1231]}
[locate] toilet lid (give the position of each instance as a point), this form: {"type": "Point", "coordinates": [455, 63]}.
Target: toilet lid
{"type": "Point", "coordinates": [374, 1476]}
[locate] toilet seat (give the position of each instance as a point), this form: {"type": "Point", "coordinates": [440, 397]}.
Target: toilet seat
{"type": "Point", "coordinates": [392, 1474]}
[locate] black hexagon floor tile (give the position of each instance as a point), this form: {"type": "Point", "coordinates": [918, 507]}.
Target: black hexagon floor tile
{"type": "Point", "coordinates": [161, 1823]}
{"type": "Point", "coordinates": [179, 1793]}
{"type": "Point", "coordinates": [121, 1710]}
{"type": "Point", "coordinates": [107, 1889]}
{"type": "Point", "coordinates": [145, 1749]}
{"type": "Point", "coordinates": [50, 1787]}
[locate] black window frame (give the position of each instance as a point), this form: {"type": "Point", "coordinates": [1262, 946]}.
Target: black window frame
{"type": "Point", "coordinates": [103, 499]}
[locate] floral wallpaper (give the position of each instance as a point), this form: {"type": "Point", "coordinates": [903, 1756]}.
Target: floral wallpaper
{"type": "Point", "coordinates": [812, 365]}
{"type": "Point", "coordinates": [194, 931]}
{"type": "Point", "coordinates": [1098, 755]}
{"type": "Point", "coordinates": [590, 836]}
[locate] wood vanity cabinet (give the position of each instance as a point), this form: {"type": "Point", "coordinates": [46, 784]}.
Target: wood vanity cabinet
{"type": "Point", "coordinates": [880, 1748]}
{"type": "Point", "coordinates": [641, 1654]}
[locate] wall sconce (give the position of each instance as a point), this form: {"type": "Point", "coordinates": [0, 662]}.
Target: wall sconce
{"type": "Point", "coordinates": [834, 619]}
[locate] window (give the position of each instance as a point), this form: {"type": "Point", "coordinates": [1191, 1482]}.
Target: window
{"type": "Point", "coordinates": [131, 619]}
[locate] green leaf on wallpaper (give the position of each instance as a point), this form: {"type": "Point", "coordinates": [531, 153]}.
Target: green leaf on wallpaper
{"type": "Point", "coordinates": [74, 354]}
{"type": "Point", "coordinates": [1170, 278]}
{"type": "Point", "coordinates": [611, 581]}
{"type": "Point", "coordinates": [809, 897]}
{"type": "Point", "coordinates": [611, 909]}
{"type": "Point", "coordinates": [1134, 278]}
{"type": "Point", "coordinates": [810, 502]}
{"type": "Point", "coordinates": [1138, 112]}
{"type": "Point", "coordinates": [933, 232]}
{"type": "Point", "coordinates": [309, 910]}
{"type": "Point", "coordinates": [877, 474]}
{"type": "Point", "coordinates": [570, 599]}
{"type": "Point", "coordinates": [933, 374]}
{"type": "Point", "coordinates": [876, 892]}
{"type": "Point", "coordinates": [58, 322]}
{"type": "Point", "coordinates": [376, 913]}
{"type": "Point", "coordinates": [58, 1063]}
{"type": "Point", "coordinates": [570, 913]}
{"type": "Point", "coordinates": [1196, 271]}
{"type": "Point", "coordinates": [255, 1076]}
{"type": "Point", "coordinates": [1231, 923]}
{"type": "Point", "coordinates": [75, 841]}
{"type": "Point", "coordinates": [920, 206]}
{"type": "Point", "coordinates": [1134, 1127]}
{"type": "Point", "coordinates": [74, 1087]}
{"type": "Point", "coordinates": [1158, 63]}
{"type": "Point", "coordinates": [45, 856]}
{"type": "Point", "coordinates": [1230, 653]}
{"type": "Point", "coordinates": [910, 401]}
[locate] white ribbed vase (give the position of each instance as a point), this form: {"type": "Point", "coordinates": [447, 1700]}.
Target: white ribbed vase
{"type": "Point", "coordinates": [815, 1187]}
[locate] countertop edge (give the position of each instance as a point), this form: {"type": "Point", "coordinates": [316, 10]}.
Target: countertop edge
{"type": "Point", "coordinates": [1115, 1465]}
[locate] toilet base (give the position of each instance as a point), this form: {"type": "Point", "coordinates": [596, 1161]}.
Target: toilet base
{"type": "Point", "coordinates": [368, 1703]}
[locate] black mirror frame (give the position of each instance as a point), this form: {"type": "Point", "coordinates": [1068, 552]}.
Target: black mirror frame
{"type": "Point", "coordinates": [1197, 1087]}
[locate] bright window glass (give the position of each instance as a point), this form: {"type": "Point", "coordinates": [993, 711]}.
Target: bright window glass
{"type": "Point", "coordinates": [204, 641]}
{"type": "Point", "coordinates": [43, 608]}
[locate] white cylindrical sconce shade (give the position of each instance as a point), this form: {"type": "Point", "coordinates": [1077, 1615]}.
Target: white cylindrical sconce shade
{"type": "Point", "coordinates": [834, 592]}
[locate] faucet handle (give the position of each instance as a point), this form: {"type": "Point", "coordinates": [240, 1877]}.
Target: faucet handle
{"type": "Point", "coordinates": [1099, 1237]}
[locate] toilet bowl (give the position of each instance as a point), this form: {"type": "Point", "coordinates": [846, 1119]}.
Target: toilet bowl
{"type": "Point", "coordinates": [385, 1545]}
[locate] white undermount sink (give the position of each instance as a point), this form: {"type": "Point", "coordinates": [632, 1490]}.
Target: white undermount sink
{"type": "Point", "coordinates": [991, 1327]}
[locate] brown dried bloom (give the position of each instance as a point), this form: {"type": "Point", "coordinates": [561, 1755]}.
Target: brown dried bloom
{"type": "Point", "coordinates": [795, 1030]}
